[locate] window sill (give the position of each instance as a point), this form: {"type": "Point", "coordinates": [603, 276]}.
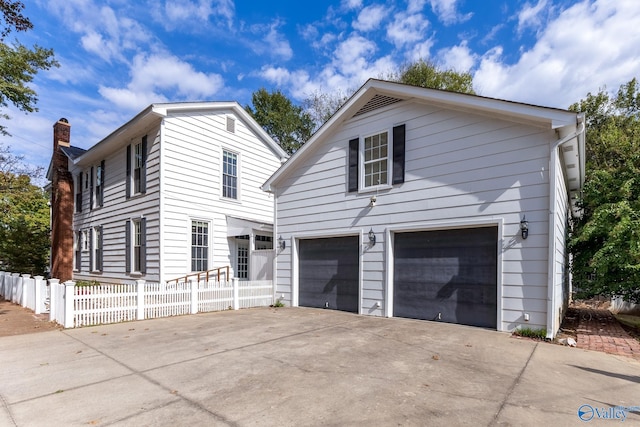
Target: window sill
{"type": "Point", "coordinates": [230, 200]}
{"type": "Point", "coordinates": [374, 189]}
{"type": "Point", "coordinates": [135, 274]}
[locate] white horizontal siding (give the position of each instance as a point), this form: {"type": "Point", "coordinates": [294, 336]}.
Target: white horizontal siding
{"type": "Point", "coordinates": [459, 166]}
{"type": "Point", "coordinates": [191, 185]}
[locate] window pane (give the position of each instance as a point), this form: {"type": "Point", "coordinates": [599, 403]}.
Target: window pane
{"type": "Point", "coordinates": [376, 152]}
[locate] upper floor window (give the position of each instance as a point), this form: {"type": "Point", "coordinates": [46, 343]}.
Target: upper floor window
{"type": "Point", "coordinates": [229, 174]}
{"type": "Point", "coordinates": [97, 189]}
{"type": "Point", "coordinates": [376, 160]}
{"type": "Point", "coordinates": [137, 168]}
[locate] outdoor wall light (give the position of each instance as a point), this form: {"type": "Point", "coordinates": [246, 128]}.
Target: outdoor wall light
{"type": "Point", "coordinates": [372, 201]}
{"type": "Point", "coordinates": [372, 237]}
{"type": "Point", "coordinates": [281, 243]}
{"type": "Point", "coordinates": [524, 227]}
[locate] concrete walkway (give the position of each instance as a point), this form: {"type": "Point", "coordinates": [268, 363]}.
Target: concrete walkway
{"type": "Point", "coordinates": [598, 330]}
{"type": "Point", "coordinates": [306, 367]}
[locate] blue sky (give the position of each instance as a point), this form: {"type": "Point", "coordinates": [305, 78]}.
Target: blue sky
{"type": "Point", "coordinates": [119, 56]}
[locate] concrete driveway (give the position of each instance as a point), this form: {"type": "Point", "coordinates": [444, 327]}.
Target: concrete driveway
{"type": "Point", "coordinates": [297, 367]}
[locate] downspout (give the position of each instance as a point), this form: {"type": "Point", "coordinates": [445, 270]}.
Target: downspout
{"type": "Point", "coordinates": [551, 326]}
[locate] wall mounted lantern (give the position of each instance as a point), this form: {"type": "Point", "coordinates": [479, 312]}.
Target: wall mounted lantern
{"type": "Point", "coordinates": [372, 237]}
{"type": "Point", "coordinates": [281, 243]}
{"type": "Point", "coordinates": [524, 227]}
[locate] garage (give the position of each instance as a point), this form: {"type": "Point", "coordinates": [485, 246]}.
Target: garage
{"type": "Point", "coordinates": [447, 275]}
{"type": "Point", "coordinates": [329, 273]}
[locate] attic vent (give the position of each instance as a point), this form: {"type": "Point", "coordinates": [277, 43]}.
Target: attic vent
{"type": "Point", "coordinates": [378, 101]}
{"type": "Point", "coordinates": [231, 124]}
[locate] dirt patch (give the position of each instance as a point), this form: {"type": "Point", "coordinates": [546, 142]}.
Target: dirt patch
{"type": "Point", "coordinates": [16, 320]}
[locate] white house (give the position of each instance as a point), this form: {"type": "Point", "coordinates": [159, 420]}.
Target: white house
{"type": "Point", "coordinates": [428, 204]}
{"type": "Point", "coordinates": [173, 191]}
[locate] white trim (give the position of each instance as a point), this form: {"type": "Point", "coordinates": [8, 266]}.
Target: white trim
{"type": "Point", "coordinates": [362, 188]}
{"type": "Point", "coordinates": [443, 225]}
{"type": "Point", "coordinates": [295, 240]}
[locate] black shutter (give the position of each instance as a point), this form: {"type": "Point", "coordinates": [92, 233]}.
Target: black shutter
{"type": "Point", "coordinates": [353, 164]}
{"type": "Point", "coordinates": [102, 180]}
{"type": "Point", "coordinates": [143, 171]}
{"type": "Point", "coordinates": [398, 154]}
{"type": "Point", "coordinates": [127, 245]}
{"type": "Point", "coordinates": [101, 246]}
{"type": "Point", "coordinates": [128, 180]}
{"type": "Point", "coordinates": [91, 195]}
{"type": "Point", "coordinates": [143, 245]}
{"type": "Point", "coordinates": [79, 194]}
{"type": "Point", "coordinates": [91, 249]}
{"type": "Point", "coordinates": [79, 251]}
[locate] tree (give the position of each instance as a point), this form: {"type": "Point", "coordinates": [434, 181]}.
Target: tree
{"type": "Point", "coordinates": [428, 75]}
{"type": "Point", "coordinates": [605, 242]}
{"type": "Point", "coordinates": [288, 124]}
{"type": "Point", "coordinates": [18, 63]}
{"type": "Point", "coordinates": [24, 217]}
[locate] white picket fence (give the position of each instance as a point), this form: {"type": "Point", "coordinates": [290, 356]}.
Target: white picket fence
{"type": "Point", "coordinates": [74, 306]}
{"type": "Point", "coordinates": [29, 292]}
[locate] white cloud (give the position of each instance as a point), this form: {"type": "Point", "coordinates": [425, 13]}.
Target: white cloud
{"type": "Point", "coordinates": [459, 58]}
{"type": "Point", "coordinates": [447, 11]}
{"type": "Point", "coordinates": [153, 75]}
{"type": "Point", "coordinates": [529, 16]}
{"type": "Point", "coordinates": [407, 29]}
{"type": "Point", "coordinates": [421, 50]}
{"type": "Point", "coordinates": [177, 13]}
{"type": "Point", "coordinates": [103, 32]}
{"type": "Point", "coordinates": [351, 4]}
{"type": "Point", "coordinates": [277, 44]}
{"type": "Point", "coordinates": [576, 53]}
{"type": "Point", "coordinates": [370, 17]}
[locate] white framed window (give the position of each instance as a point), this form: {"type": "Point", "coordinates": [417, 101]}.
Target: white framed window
{"type": "Point", "coordinates": [99, 188]}
{"type": "Point", "coordinates": [229, 175]}
{"type": "Point", "coordinates": [136, 246]}
{"type": "Point", "coordinates": [137, 168]}
{"type": "Point", "coordinates": [263, 242]}
{"type": "Point", "coordinates": [199, 245]}
{"type": "Point", "coordinates": [85, 240]}
{"type": "Point", "coordinates": [375, 160]}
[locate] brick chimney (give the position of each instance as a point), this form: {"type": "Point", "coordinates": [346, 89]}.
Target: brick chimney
{"type": "Point", "coordinates": [61, 205]}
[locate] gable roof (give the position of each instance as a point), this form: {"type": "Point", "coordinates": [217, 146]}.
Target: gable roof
{"type": "Point", "coordinates": [154, 113]}
{"type": "Point", "coordinates": [376, 94]}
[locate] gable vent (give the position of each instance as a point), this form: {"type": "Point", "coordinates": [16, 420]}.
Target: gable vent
{"type": "Point", "coordinates": [378, 101]}
{"type": "Point", "coordinates": [231, 124]}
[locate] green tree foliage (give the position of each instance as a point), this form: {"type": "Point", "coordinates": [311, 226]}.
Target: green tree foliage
{"type": "Point", "coordinates": [288, 124]}
{"type": "Point", "coordinates": [24, 217]}
{"type": "Point", "coordinates": [18, 63]}
{"type": "Point", "coordinates": [428, 75]}
{"type": "Point", "coordinates": [605, 242]}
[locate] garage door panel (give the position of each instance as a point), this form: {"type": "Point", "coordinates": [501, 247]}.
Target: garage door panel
{"type": "Point", "coordinates": [448, 275]}
{"type": "Point", "coordinates": [329, 273]}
